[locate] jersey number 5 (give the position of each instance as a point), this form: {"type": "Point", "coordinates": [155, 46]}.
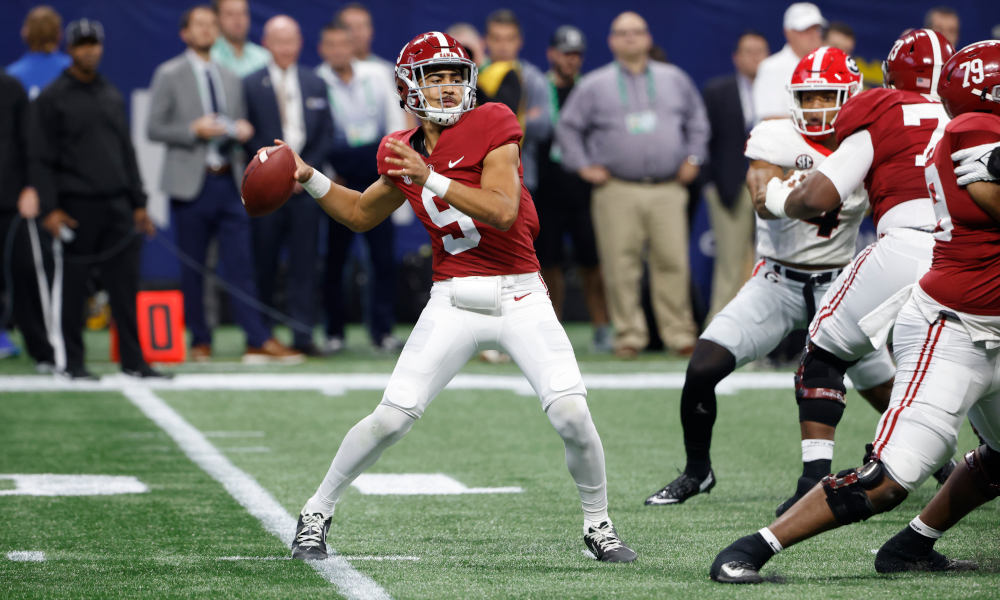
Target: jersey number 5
{"type": "Point", "coordinates": [914, 113]}
{"type": "Point", "coordinates": [443, 218]}
{"type": "Point", "coordinates": [826, 222]}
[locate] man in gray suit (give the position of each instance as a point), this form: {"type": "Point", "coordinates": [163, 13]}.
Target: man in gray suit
{"type": "Point", "coordinates": [198, 110]}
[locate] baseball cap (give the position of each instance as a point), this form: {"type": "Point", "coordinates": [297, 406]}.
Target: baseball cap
{"type": "Point", "coordinates": [84, 29]}
{"type": "Point", "coordinates": [803, 15]}
{"type": "Point", "coordinates": [568, 39]}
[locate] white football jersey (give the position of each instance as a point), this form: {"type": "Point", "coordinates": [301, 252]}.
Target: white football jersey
{"type": "Point", "coordinates": [825, 240]}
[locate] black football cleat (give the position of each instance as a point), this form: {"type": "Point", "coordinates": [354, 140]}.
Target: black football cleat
{"type": "Point", "coordinates": [801, 489]}
{"type": "Point", "coordinates": [741, 561]}
{"type": "Point", "coordinates": [147, 372]}
{"type": "Point", "coordinates": [80, 374]}
{"type": "Point", "coordinates": [942, 474]}
{"type": "Point", "coordinates": [736, 571]}
{"type": "Point", "coordinates": [310, 537]}
{"type": "Point", "coordinates": [682, 488]}
{"type": "Point", "coordinates": [604, 542]}
{"type": "Point", "coordinates": [894, 559]}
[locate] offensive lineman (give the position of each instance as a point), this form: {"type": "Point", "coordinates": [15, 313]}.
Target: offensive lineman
{"type": "Point", "coordinates": [461, 172]}
{"type": "Point", "coordinates": [946, 338]}
{"type": "Point", "coordinates": [801, 260]}
{"type": "Point", "coordinates": [885, 135]}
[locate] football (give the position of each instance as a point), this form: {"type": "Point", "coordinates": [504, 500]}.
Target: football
{"type": "Point", "coordinates": [268, 181]}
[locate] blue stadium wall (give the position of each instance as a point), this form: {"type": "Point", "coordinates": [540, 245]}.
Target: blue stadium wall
{"type": "Point", "coordinates": [697, 36]}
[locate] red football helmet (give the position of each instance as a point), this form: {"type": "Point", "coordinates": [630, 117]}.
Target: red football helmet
{"type": "Point", "coordinates": [426, 53]}
{"type": "Point", "coordinates": [970, 81]}
{"type": "Point", "coordinates": [915, 61]}
{"type": "Point", "coordinates": [826, 69]}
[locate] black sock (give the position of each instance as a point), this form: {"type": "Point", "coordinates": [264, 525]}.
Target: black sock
{"type": "Point", "coordinates": [709, 364]}
{"type": "Point", "coordinates": [911, 542]}
{"type": "Point", "coordinates": [817, 469]}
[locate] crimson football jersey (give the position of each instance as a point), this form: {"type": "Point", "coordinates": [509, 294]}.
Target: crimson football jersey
{"type": "Point", "coordinates": [903, 126]}
{"type": "Point", "coordinates": [464, 247]}
{"type": "Point", "coordinates": [965, 274]}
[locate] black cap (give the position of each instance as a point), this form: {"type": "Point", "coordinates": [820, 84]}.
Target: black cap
{"type": "Point", "coordinates": [84, 29]}
{"type": "Point", "coordinates": [568, 39]}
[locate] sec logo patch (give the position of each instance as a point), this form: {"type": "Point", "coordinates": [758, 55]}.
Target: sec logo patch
{"type": "Point", "coordinates": [804, 162]}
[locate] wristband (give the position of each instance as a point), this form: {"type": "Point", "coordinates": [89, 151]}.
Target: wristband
{"type": "Point", "coordinates": [777, 193]}
{"type": "Point", "coordinates": [438, 184]}
{"type": "Point", "coordinates": [318, 185]}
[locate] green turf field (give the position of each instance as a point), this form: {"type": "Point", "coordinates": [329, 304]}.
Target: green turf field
{"type": "Point", "coordinates": [181, 538]}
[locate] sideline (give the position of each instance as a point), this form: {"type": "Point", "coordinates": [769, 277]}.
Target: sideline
{"type": "Point", "coordinates": [337, 384]}
{"type": "Point", "coordinates": [251, 495]}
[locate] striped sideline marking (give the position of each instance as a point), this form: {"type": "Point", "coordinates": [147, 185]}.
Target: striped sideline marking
{"type": "Point", "coordinates": [251, 495]}
{"type": "Point", "coordinates": [373, 558]}
{"type": "Point", "coordinates": [337, 384]}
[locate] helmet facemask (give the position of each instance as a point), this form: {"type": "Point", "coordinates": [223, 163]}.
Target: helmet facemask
{"type": "Point", "coordinates": [800, 116]}
{"type": "Point", "coordinates": [416, 102]}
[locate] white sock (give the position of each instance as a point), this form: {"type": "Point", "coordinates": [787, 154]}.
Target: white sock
{"type": "Point", "coordinates": [362, 446]}
{"type": "Point", "coordinates": [817, 450]}
{"type": "Point", "coordinates": [925, 530]}
{"type": "Point", "coordinates": [771, 540]}
{"type": "Point", "coordinates": [584, 456]}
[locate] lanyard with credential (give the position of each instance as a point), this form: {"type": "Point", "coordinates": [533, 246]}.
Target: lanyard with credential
{"type": "Point", "coordinates": [623, 92]}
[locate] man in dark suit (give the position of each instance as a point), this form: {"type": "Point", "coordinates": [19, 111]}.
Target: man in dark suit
{"type": "Point", "coordinates": [729, 103]}
{"type": "Point", "coordinates": [289, 103]}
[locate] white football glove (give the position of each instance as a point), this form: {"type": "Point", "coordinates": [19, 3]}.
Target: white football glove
{"type": "Point", "coordinates": [972, 164]}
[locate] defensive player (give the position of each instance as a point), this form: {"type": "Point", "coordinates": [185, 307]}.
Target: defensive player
{"type": "Point", "coordinates": [885, 135]}
{"type": "Point", "coordinates": [946, 342]}
{"type": "Point", "coordinates": [801, 260]}
{"type": "Point", "coordinates": [461, 172]}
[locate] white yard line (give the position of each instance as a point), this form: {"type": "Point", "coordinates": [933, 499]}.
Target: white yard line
{"type": "Point", "coordinates": [251, 495]}
{"type": "Point", "coordinates": [336, 384]}
{"type": "Point", "coordinates": [26, 556]}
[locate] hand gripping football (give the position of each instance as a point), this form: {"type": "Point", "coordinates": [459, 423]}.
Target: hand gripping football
{"type": "Point", "coordinates": [268, 181]}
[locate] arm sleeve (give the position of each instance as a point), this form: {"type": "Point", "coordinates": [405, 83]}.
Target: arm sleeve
{"type": "Point", "coordinates": [848, 166]}
{"type": "Point", "coordinates": [571, 130]}
{"type": "Point", "coordinates": [42, 151]}
{"type": "Point", "coordinates": [697, 126]}
{"type": "Point", "coordinates": [163, 125]}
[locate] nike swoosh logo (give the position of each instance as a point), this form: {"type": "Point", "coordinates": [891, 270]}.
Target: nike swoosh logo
{"type": "Point", "coordinates": [518, 298]}
{"type": "Point", "coordinates": [451, 165]}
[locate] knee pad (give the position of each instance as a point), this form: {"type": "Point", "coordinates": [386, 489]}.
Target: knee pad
{"type": "Point", "coordinates": [389, 422]}
{"type": "Point", "coordinates": [847, 492]}
{"type": "Point", "coordinates": [984, 468]}
{"type": "Point", "coordinates": [570, 416]}
{"type": "Point", "coordinates": [827, 412]}
{"type": "Point", "coordinates": [821, 376]}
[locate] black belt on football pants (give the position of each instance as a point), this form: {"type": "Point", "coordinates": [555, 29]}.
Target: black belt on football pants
{"type": "Point", "coordinates": [809, 282]}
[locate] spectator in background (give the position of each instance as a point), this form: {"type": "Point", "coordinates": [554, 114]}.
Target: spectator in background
{"type": "Point", "coordinates": [729, 104]}
{"type": "Point", "coordinates": [43, 61]}
{"type": "Point", "coordinates": [365, 108]}
{"type": "Point", "coordinates": [358, 20]}
{"type": "Point", "coordinates": [233, 49]}
{"type": "Point", "coordinates": [637, 131]}
{"type": "Point", "coordinates": [83, 165]}
{"type": "Point", "coordinates": [803, 24]}
{"type": "Point", "coordinates": [944, 20]}
{"type": "Point", "coordinates": [469, 37]}
{"type": "Point", "coordinates": [29, 298]}
{"type": "Point", "coordinates": [290, 103]}
{"type": "Point", "coordinates": [840, 35]}
{"type": "Point", "coordinates": [518, 84]}
{"type": "Point", "coordinates": [197, 109]}
{"type": "Point", "coordinates": [563, 198]}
